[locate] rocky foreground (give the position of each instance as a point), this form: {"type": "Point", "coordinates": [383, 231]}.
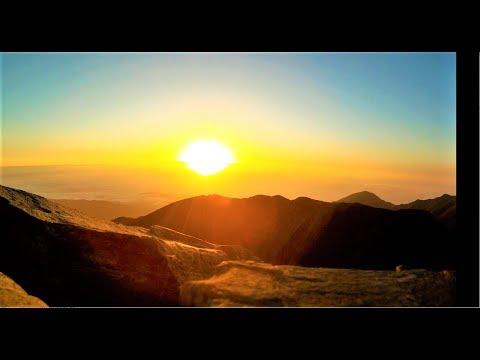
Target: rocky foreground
{"type": "Point", "coordinates": [69, 259]}
{"type": "Point", "coordinates": [248, 283]}
{"type": "Point", "coordinates": [66, 258]}
{"type": "Point", "coordinates": [12, 295]}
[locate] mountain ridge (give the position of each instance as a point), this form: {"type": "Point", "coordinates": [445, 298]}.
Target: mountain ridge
{"type": "Point", "coordinates": [308, 232]}
{"type": "Point", "coordinates": [442, 207]}
{"type": "Point", "coordinates": [66, 258]}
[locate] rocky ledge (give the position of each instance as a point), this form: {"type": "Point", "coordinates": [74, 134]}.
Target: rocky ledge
{"type": "Point", "coordinates": [69, 259]}
{"type": "Point", "coordinates": [252, 284]}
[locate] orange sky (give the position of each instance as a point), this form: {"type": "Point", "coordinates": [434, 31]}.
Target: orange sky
{"type": "Point", "coordinates": [317, 125]}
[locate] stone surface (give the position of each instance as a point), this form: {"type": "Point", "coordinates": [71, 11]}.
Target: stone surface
{"type": "Point", "coordinates": [12, 295]}
{"type": "Point", "coordinates": [252, 284]}
{"type": "Point", "coordinates": [69, 259]}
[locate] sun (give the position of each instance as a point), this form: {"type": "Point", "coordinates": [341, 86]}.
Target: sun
{"type": "Point", "coordinates": [206, 157]}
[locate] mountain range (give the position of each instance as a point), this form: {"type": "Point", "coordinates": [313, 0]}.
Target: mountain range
{"type": "Point", "coordinates": [54, 255]}
{"type": "Point", "coordinates": [309, 232]}
{"type": "Point", "coordinates": [443, 207]}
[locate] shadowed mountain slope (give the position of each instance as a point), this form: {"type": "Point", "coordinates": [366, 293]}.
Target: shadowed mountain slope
{"type": "Point", "coordinates": [443, 207]}
{"type": "Point", "coordinates": [308, 232]}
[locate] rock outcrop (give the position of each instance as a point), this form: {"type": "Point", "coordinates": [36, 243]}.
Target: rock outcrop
{"type": "Point", "coordinates": [251, 284]}
{"type": "Point", "coordinates": [69, 259]}
{"type": "Point", "coordinates": [12, 295]}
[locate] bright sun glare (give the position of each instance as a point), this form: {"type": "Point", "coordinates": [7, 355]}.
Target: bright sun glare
{"type": "Point", "coordinates": [206, 157]}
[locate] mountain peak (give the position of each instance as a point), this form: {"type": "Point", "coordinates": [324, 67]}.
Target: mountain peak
{"type": "Point", "coordinates": [447, 196]}
{"type": "Point", "coordinates": [359, 196]}
{"type": "Point", "coordinates": [366, 194]}
{"type": "Point", "coordinates": [367, 198]}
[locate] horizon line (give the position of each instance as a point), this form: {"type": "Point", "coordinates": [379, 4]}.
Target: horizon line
{"type": "Point", "coordinates": [247, 197]}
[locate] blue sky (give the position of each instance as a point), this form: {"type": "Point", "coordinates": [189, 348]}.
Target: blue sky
{"type": "Point", "coordinates": [392, 108]}
{"type": "Point", "coordinates": [394, 90]}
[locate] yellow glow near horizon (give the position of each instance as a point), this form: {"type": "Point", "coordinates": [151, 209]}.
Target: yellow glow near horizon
{"type": "Point", "coordinates": [206, 157]}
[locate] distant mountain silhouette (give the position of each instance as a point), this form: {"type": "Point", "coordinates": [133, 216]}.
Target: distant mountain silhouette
{"type": "Point", "coordinates": [309, 232]}
{"type": "Point", "coordinates": [105, 209]}
{"type": "Point", "coordinates": [443, 207]}
{"type": "Point", "coordinates": [367, 198]}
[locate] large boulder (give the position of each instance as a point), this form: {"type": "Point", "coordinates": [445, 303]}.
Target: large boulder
{"type": "Point", "coordinates": [12, 295]}
{"type": "Point", "coordinates": [251, 284]}
{"type": "Point", "coordinates": [69, 259]}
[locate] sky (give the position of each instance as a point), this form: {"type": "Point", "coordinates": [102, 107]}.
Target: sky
{"type": "Point", "coordinates": [322, 125]}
